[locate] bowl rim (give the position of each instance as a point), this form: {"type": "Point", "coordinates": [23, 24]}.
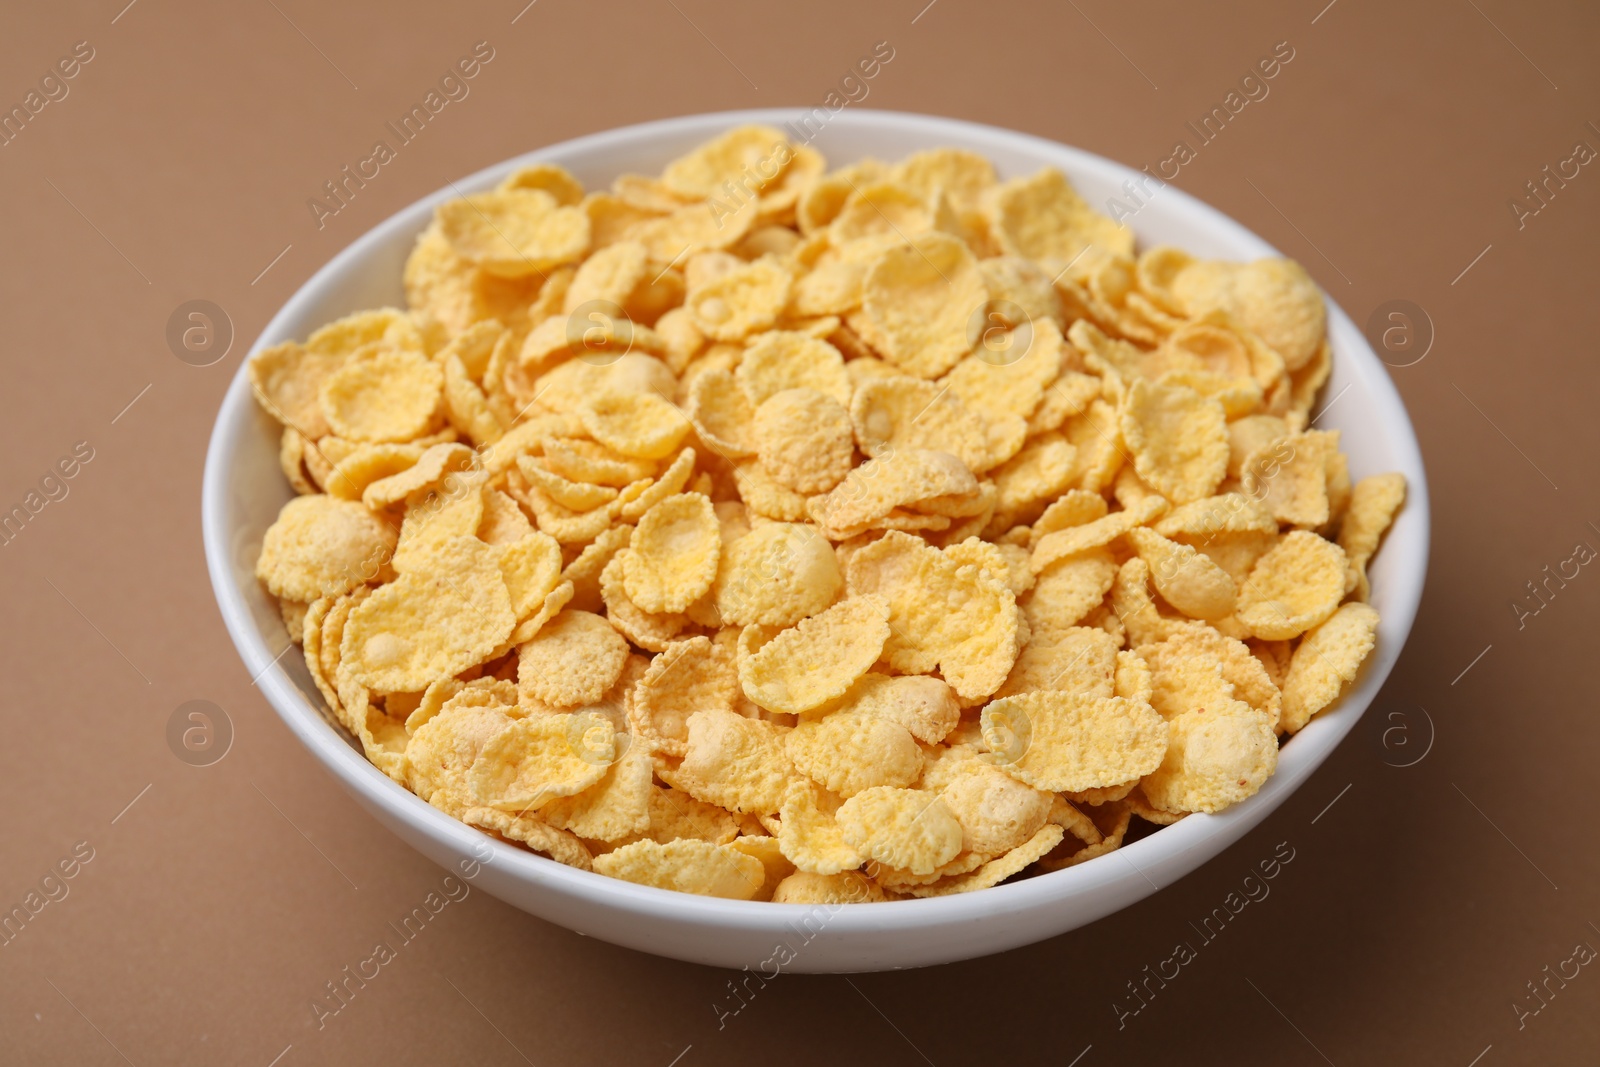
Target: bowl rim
{"type": "Point", "coordinates": [1167, 847]}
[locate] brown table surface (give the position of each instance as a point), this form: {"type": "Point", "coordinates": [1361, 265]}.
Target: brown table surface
{"type": "Point", "coordinates": [220, 899]}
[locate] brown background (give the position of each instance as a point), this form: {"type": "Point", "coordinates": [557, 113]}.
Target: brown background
{"type": "Point", "coordinates": [1417, 906]}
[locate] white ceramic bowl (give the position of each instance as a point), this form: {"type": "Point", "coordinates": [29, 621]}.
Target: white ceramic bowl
{"type": "Point", "coordinates": [244, 490]}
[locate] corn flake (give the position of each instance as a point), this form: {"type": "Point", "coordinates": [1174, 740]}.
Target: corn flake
{"type": "Point", "coordinates": [816, 660]}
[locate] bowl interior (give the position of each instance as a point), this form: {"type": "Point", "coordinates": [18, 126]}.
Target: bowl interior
{"type": "Point", "coordinates": [244, 490]}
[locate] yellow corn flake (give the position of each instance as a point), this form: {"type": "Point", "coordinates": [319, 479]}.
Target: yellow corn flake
{"type": "Point", "coordinates": [648, 194]}
{"type": "Point", "coordinates": [748, 157]}
{"type": "Point", "coordinates": [430, 623]}
{"type": "Point", "coordinates": [723, 415]}
{"type": "Point", "coordinates": [382, 394]}
{"type": "Point", "coordinates": [903, 828]}
{"type": "Point", "coordinates": [565, 525]}
{"type": "Point", "coordinates": [901, 413]}
{"type": "Point", "coordinates": [964, 176]}
{"type": "Point", "coordinates": [918, 298]}
{"type": "Point", "coordinates": [607, 278]}
{"type": "Point", "coordinates": [733, 762]}
{"type": "Point", "coordinates": [639, 425]}
{"type": "Point", "coordinates": [1042, 217]}
{"type": "Point", "coordinates": [1074, 508]}
{"type": "Point", "coordinates": [1134, 607]}
{"type": "Point", "coordinates": [878, 486]}
{"type": "Point", "coordinates": [1183, 676]}
{"type": "Point", "coordinates": [677, 816]}
{"type": "Point", "coordinates": [1200, 522]}
{"type": "Point", "coordinates": [573, 660]}
{"type": "Point", "coordinates": [820, 204]}
{"type": "Point", "coordinates": [371, 463]}
{"type": "Point", "coordinates": [1293, 587]}
{"type": "Point", "coordinates": [639, 498]}
{"type": "Point", "coordinates": [1011, 382]}
{"type": "Point", "coordinates": [1096, 437]}
{"type": "Point", "coordinates": [1064, 741]}
{"type": "Point", "coordinates": [743, 301]}
{"type": "Point", "coordinates": [927, 707]}
{"type": "Point", "coordinates": [1326, 661]}
{"type": "Point", "coordinates": [776, 575]}
{"type": "Point", "coordinates": [765, 497]}
{"type": "Point", "coordinates": [613, 218]}
{"type": "Point", "coordinates": [533, 832]}
{"type": "Point", "coordinates": [809, 833]}
{"type": "Point", "coordinates": [571, 383]}
{"type": "Point", "coordinates": [1068, 396]}
{"type": "Point", "coordinates": [292, 449]}
{"type": "Point", "coordinates": [436, 520]}
{"type": "Point", "coordinates": [673, 557]}
{"type": "Point", "coordinates": [542, 757]}
{"type": "Point", "coordinates": [997, 870]}
{"type": "Point", "coordinates": [466, 406]}
{"type": "Point", "coordinates": [1185, 577]}
{"type": "Point", "coordinates": [645, 629]}
{"type": "Point", "coordinates": [997, 813]}
{"type": "Point", "coordinates": [1132, 678]}
{"type": "Point", "coordinates": [1073, 540]}
{"type": "Point", "coordinates": [696, 227]}
{"type": "Point", "coordinates": [941, 614]}
{"type": "Point", "coordinates": [592, 462]}
{"type": "Point", "coordinates": [1027, 288]}
{"type": "Point", "coordinates": [1007, 563]}
{"type": "Point", "coordinates": [575, 496]}
{"type": "Point", "coordinates": [1178, 439]}
{"type": "Point", "coordinates": [431, 468]}
{"type": "Point", "coordinates": [690, 676]}
{"type": "Point", "coordinates": [293, 614]}
{"type": "Point", "coordinates": [1195, 666]}
{"type": "Point", "coordinates": [1078, 659]}
{"type": "Point", "coordinates": [1289, 477]}
{"type": "Point", "coordinates": [1217, 756]}
{"type": "Point", "coordinates": [1040, 472]}
{"type": "Point", "coordinates": [765, 850]}
{"type": "Point", "coordinates": [452, 293]}
{"type": "Point", "coordinates": [786, 359]}
{"type": "Point", "coordinates": [804, 440]}
{"type": "Point", "coordinates": [531, 569]}
{"type": "Point", "coordinates": [442, 750]}
{"type": "Point", "coordinates": [320, 546]}
{"type": "Point", "coordinates": [1339, 490]}
{"type": "Point", "coordinates": [849, 751]}
{"type": "Point", "coordinates": [816, 660]}
{"type": "Point", "coordinates": [614, 808]}
{"type": "Point", "coordinates": [584, 570]}
{"type": "Point", "coordinates": [549, 178]}
{"type": "Point", "coordinates": [515, 232]}
{"type": "Point", "coordinates": [846, 887]}
{"type": "Point", "coordinates": [686, 866]}
{"type": "Point", "coordinates": [1238, 396]}
{"type": "Point", "coordinates": [390, 326]}
{"type": "Point", "coordinates": [1273, 298]}
{"type": "Point", "coordinates": [287, 381]}
{"type": "Point", "coordinates": [885, 209]}
{"type": "Point", "coordinates": [1373, 503]}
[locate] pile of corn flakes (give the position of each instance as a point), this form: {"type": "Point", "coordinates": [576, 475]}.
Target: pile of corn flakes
{"type": "Point", "coordinates": [776, 533]}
